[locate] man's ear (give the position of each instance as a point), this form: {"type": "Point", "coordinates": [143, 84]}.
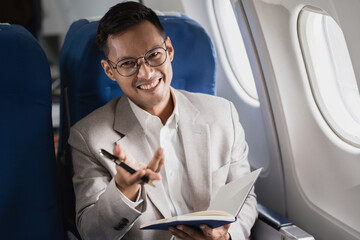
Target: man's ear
{"type": "Point", "coordinates": [169, 48]}
{"type": "Point", "coordinates": [108, 69]}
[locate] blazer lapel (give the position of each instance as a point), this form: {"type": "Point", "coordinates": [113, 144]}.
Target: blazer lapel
{"type": "Point", "coordinates": [134, 142]}
{"type": "Point", "coordinates": [194, 134]}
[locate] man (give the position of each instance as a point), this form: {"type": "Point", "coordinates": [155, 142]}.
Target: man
{"type": "Point", "coordinates": [188, 144]}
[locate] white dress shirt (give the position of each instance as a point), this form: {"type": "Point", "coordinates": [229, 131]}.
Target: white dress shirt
{"type": "Point", "coordinates": [174, 179]}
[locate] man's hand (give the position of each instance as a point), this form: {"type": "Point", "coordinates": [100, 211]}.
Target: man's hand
{"type": "Point", "coordinates": [129, 184]}
{"type": "Point", "coordinates": [205, 232]}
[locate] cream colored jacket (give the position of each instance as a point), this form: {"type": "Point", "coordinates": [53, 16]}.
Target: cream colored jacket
{"type": "Point", "coordinates": [215, 151]}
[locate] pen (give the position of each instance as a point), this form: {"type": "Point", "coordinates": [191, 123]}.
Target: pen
{"type": "Point", "coordinates": [120, 163]}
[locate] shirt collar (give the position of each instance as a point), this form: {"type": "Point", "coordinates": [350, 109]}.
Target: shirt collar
{"type": "Point", "coordinates": [143, 116]}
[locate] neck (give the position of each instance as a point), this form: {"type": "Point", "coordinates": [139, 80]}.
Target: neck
{"type": "Point", "coordinates": [167, 111]}
{"type": "Point", "coordinates": [164, 110]}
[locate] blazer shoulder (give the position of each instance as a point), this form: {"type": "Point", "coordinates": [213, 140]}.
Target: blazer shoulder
{"type": "Point", "coordinates": [99, 116]}
{"type": "Point", "coordinates": [208, 103]}
{"type": "Point", "coordinates": [206, 99]}
{"type": "Point", "coordinates": [213, 110]}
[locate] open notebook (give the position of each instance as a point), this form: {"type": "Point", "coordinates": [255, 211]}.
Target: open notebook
{"type": "Point", "coordinates": [223, 209]}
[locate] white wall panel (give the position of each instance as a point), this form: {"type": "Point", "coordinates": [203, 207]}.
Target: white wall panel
{"type": "Point", "coordinates": [321, 171]}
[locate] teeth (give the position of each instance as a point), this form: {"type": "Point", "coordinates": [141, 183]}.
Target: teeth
{"type": "Point", "coordinates": [146, 87]}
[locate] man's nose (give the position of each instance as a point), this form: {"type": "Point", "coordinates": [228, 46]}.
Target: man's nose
{"type": "Point", "coordinates": [144, 70]}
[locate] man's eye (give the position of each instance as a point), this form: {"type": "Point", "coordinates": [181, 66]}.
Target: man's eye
{"type": "Point", "coordinates": [127, 64]}
{"type": "Point", "coordinates": [154, 55]}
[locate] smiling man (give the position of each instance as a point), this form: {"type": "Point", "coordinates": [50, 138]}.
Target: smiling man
{"type": "Point", "coordinates": [188, 144]}
{"type": "Point", "coordinates": [146, 79]}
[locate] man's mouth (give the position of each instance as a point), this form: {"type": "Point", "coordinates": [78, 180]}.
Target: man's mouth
{"type": "Point", "coordinates": [149, 86]}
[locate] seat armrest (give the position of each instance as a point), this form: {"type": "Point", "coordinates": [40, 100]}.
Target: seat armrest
{"type": "Point", "coordinates": [273, 226]}
{"type": "Point", "coordinates": [272, 218]}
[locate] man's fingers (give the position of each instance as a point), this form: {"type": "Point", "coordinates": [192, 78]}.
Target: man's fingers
{"type": "Point", "coordinates": [155, 164]}
{"type": "Point", "coordinates": [152, 175]}
{"type": "Point", "coordinates": [127, 158]}
{"type": "Point", "coordinates": [219, 232]}
{"type": "Point", "coordinates": [187, 233]}
{"type": "Point", "coordinates": [157, 161]}
{"type": "Point", "coordinates": [207, 231]}
{"type": "Point", "coordinates": [179, 233]}
{"type": "Point", "coordinates": [135, 178]}
{"type": "Point", "coordinates": [150, 171]}
{"type": "Point", "coordinates": [119, 152]}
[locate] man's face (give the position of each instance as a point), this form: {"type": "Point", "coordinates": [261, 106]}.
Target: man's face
{"type": "Point", "coordinates": [149, 87]}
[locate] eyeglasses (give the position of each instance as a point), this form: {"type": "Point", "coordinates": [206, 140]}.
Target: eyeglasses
{"type": "Point", "coordinates": [129, 66]}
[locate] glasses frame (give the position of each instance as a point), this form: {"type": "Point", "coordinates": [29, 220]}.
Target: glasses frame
{"type": "Point", "coordinates": [111, 63]}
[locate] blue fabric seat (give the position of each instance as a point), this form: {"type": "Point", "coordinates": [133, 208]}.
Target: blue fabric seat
{"type": "Point", "coordinates": [29, 207]}
{"type": "Point", "coordinates": [86, 87]}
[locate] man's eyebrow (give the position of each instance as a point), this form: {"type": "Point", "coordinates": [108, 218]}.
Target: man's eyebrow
{"type": "Point", "coordinates": [124, 58]}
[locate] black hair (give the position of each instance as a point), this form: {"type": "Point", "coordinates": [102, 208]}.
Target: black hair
{"type": "Point", "coordinates": [121, 17]}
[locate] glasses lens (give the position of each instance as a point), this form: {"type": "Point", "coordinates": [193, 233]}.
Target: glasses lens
{"type": "Point", "coordinates": [127, 67]}
{"type": "Point", "coordinates": [156, 57]}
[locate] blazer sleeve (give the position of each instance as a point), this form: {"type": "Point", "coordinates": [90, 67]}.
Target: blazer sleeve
{"type": "Point", "coordinates": [101, 213]}
{"type": "Point", "coordinates": [240, 166]}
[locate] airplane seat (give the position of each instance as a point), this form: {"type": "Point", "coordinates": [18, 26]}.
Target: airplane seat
{"type": "Point", "coordinates": [85, 86]}
{"type": "Point", "coordinates": [29, 206]}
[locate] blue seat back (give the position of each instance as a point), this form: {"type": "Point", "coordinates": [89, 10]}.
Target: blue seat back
{"type": "Point", "coordinates": [29, 206]}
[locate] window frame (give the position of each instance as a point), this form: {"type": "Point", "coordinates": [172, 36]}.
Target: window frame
{"type": "Point", "coordinates": [335, 126]}
{"type": "Point", "coordinates": [247, 86]}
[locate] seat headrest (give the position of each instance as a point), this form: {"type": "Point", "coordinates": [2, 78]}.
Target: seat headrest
{"type": "Point", "coordinates": [24, 65]}
{"type": "Point", "coordinates": [194, 63]}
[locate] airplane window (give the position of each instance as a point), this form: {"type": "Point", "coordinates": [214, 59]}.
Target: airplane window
{"type": "Point", "coordinates": [331, 74]}
{"type": "Point", "coordinates": [234, 46]}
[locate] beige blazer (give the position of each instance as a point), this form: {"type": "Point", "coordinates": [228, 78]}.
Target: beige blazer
{"type": "Point", "coordinates": [215, 151]}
